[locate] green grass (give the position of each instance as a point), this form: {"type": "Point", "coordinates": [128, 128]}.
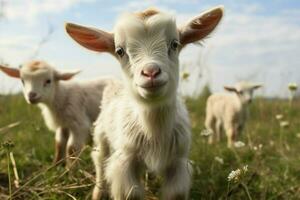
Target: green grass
{"type": "Point", "coordinates": [274, 169]}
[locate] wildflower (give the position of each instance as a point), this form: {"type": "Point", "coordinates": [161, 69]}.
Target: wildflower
{"type": "Point", "coordinates": [206, 133]}
{"type": "Point", "coordinates": [259, 147]}
{"type": "Point", "coordinates": [292, 87]}
{"type": "Point", "coordinates": [219, 160]}
{"type": "Point", "coordinates": [245, 168]}
{"type": "Point", "coordinates": [236, 175]}
{"type": "Point", "coordinates": [185, 75]}
{"type": "Point", "coordinates": [279, 116]}
{"type": "Point", "coordinates": [239, 144]}
{"type": "Point", "coordinates": [284, 124]}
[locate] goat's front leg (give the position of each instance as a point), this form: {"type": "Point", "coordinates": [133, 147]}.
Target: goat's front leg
{"type": "Point", "coordinates": [177, 180]}
{"type": "Point", "coordinates": [218, 130]}
{"type": "Point", "coordinates": [61, 138]}
{"type": "Point", "coordinates": [99, 154]}
{"type": "Point", "coordinates": [210, 125]}
{"type": "Point", "coordinates": [123, 172]}
{"type": "Point", "coordinates": [77, 139]}
{"type": "Point", "coordinates": [231, 132]}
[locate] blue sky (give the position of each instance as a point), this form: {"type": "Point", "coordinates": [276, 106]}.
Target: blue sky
{"type": "Point", "coordinates": [257, 40]}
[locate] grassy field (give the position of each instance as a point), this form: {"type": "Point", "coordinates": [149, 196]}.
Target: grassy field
{"type": "Point", "coordinates": [271, 154]}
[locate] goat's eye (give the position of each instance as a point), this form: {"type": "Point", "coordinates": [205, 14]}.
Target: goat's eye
{"type": "Point", "coordinates": [47, 82]}
{"type": "Point", "coordinates": [120, 51]}
{"type": "Point", "coordinates": [174, 45]}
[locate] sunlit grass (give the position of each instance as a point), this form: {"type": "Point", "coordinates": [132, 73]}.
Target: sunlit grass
{"type": "Point", "coordinates": [271, 153]}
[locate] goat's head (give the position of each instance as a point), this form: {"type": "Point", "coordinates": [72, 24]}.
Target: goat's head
{"type": "Point", "coordinates": [38, 79]}
{"type": "Point", "coordinates": [147, 44]}
{"type": "Point", "coordinates": [244, 91]}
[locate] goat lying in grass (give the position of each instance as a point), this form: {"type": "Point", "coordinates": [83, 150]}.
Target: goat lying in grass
{"type": "Point", "coordinates": [229, 112]}
{"type": "Point", "coordinates": [143, 124]}
{"type": "Point", "coordinates": [69, 108]}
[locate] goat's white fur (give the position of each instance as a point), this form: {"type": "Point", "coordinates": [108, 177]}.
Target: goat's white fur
{"type": "Point", "coordinates": [142, 126]}
{"type": "Point", "coordinates": [229, 112]}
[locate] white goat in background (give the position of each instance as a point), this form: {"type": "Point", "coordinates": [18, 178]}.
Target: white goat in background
{"type": "Point", "coordinates": [229, 112]}
{"type": "Point", "coordinates": [143, 124]}
{"type": "Point", "coordinates": [69, 108]}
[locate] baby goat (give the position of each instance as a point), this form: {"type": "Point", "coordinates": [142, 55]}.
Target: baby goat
{"type": "Point", "coordinates": [228, 112]}
{"type": "Point", "coordinates": [68, 108]}
{"type": "Point", "coordinates": [143, 124]}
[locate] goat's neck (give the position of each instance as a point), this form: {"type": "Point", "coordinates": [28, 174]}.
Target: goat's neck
{"type": "Point", "coordinates": [157, 120]}
{"type": "Point", "coordinates": [244, 105]}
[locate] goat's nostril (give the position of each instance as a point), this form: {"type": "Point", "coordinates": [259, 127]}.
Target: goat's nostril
{"type": "Point", "coordinates": [157, 72]}
{"type": "Point", "coordinates": [32, 95]}
{"type": "Point", "coordinates": [144, 73]}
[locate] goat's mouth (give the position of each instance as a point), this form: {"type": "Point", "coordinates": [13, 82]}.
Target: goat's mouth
{"type": "Point", "coordinates": [151, 85]}
{"type": "Point", "coordinates": [34, 101]}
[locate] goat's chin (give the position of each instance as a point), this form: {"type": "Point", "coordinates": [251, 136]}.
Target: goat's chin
{"type": "Point", "coordinates": [33, 101]}
{"type": "Point", "coordinates": [152, 94]}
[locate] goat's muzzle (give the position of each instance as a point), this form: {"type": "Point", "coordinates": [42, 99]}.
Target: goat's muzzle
{"type": "Point", "coordinates": [33, 98]}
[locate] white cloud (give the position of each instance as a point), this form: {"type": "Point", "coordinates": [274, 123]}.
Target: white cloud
{"type": "Point", "coordinates": [29, 10]}
{"type": "Point", "coordinates": [16, 48]}
{"type": "Point", "coordinates": [15, 41]}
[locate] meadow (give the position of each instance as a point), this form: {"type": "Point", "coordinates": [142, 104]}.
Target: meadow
{"type": "Point", "coordinates": [269, 161]}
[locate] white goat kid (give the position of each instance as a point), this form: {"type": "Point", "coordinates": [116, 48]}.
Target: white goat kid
{"type": "Point", "coordinates": [229, 112]}
{"type": "Point", "coordinates": [68, 108]}
{"type": "Point", "coordinates": [143, 124]}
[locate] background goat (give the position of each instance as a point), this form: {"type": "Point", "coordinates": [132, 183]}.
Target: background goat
{"type": "Point", "coordinates": [229, 112]}
{"type": "Point", "coordinates": [68, 108]}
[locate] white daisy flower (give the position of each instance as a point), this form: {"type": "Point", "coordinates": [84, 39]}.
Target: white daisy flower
{"type": "Point", "coordinates": [206, 133]}
{"type": "Point", "coordinates": [284, 124]}
{"type": "Point", "coordinates": [234, 175]}
{"type": "Point", "coordinates": [279, 116]}
{"type": "Point", "coordinates": [239, 144]}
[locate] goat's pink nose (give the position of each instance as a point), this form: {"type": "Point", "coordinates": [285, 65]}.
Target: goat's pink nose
{"type": "Point", "coordinates": [151, 71]}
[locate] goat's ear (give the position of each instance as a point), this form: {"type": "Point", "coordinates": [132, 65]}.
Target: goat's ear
{"type": "Point", "coordinates": [64, 76]}
{"type": "Point", "coordinates": [230, 89]}
{"type": "Point", "coordinates": [91, 38]}
{"type": "Point", "coordinates": [15, 73]}
{"type": "Point", "coordinates": [201, 26]}
{"type": "Point", "coordinates": [257, 86]}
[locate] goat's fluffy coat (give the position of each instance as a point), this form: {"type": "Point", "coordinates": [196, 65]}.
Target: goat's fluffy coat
{"type": "Point", "coordinates": [155, 138]}
{"type": "Point", "coordinates": [143, 125]}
